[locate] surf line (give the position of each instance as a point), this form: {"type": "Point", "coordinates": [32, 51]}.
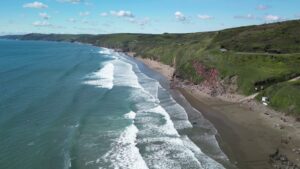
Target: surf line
{"type": "Point", "coordinates": [124, 153]}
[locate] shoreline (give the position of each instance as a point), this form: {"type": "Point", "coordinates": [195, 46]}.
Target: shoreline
{"type": "Point", "coordinates": [248, 132]}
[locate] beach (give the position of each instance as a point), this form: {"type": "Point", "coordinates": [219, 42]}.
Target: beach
{"type": "Point", "coordinates": [151, 121]}
{"type": "Point", "coordinates": [97, 108]}
{"type": "Point", "coordinates": [248, 132]}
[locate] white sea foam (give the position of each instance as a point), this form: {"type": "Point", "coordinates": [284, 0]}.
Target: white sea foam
{"type": "Point", "coordinates": [213, 145]}
{"type": "Point", "coordinates": [31, 144]}
{"type": "Point", "coordinates": [205, 160]}
{"type": "Point", "coordinates": [102, 78]}
{"type": "Point", "coordinates": [109, 53]}
{"type": "Point", "coordinates": [67, 160]}
{"type": "Point", "coordinates": [130, 115]}
{"type": "Point", "coordinates": [168, 127]}
{"type": "Point", "coordinates": [177, 112]}
{"type": "Point", "coordinates": [151, 86]}
{"type": "Point", "coordinates": [163, 146]}
{"type": "Point", "coordinates": [168, 153]}
{"type": "Point", "coordinates": [124, 153]}
{"type": "Point", "coordinates": [176, 152]}
{"type": "Point", "coordinates": [106, 51]}
{"type": "Point", "coordinates": [125, 76]}
{"type": "Point", "coordinates": [89, 163]}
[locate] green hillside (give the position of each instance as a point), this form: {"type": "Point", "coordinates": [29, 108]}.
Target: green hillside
{"type": "Point", "coordinates": [280, 37]}
{"type": "Point", "coordinates": [262, 57]}
{"type": "Point", "coordinates": [284, 96]}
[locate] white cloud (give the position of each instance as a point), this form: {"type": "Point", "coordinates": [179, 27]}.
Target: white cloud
{"type": "Point", "coordinates": [104, 14]}
{"type": "Point", "coordinates": [144, 21]}
{"type": "Point", "coordinates": [84, 21]}
{"type": "Point", "coordinates": [87, 13]}
{"type": "Point", "coordinates": [41, 24]}
{"type": "Point", "coordinates": [72, 20]}
{"type": "Point", "coordinates": [262, 7]}
{"type": "Point", "coordinates": [122, 13]}
{"type": "Point", "coordinates": [179, 16]}
{"type": "Point", "coordinates": [71, 1]}
{"type": "Point", "coordinates": [141, 22]}
{"type": "Point", "coordinates": [272, 18]}
{"type": "Point", "coordinates": [248, 16]}
{"type": "Point", "coordinates": [128, 16]}
{"type": "Point", "coordinates": [88, 22]}
{"type": "Point", "coordinates": [205, 17]}
{"type": "Point", "coordinates": [46, 24]}
{"type": "Point", "coordinates": [36, 4]}
{"type": "Point", "coordinates": [44, 15]}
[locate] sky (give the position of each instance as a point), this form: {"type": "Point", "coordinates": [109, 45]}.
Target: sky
{"type": "Point", "coordinates": [139, 16]}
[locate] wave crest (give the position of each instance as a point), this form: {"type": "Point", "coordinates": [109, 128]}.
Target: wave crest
{"type": "Point", "coordinates": [102, 78]}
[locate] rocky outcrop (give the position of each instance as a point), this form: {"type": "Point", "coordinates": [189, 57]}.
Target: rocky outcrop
{"type": "Point", "coordinates": [230, 84]}
{"type": "Point", "coordinates": [212, 83]}
{"type": "Point", "coordinates": [280, 161]}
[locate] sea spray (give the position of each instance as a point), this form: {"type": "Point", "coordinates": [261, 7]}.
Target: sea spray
{"type": "Point", "coordinates": [131, 115]}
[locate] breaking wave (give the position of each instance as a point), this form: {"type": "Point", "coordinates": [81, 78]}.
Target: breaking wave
{"type": "Point", "coordinates": [151, 139]}
{"type": "Point", "coordinates": [102, 78]}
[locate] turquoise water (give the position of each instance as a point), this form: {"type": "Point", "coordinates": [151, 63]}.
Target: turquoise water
{"type": "Point", "coordinates": [66, 105]}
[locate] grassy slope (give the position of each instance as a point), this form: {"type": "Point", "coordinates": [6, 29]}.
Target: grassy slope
{"type": "Point", "coordinates": [284, 96]}
{"type": "Point", "coordinates": [278, 37]}
{"type": "Point", "coordinates": [264, 55]}
{"type": "Point", "coordinates": [254, 69]}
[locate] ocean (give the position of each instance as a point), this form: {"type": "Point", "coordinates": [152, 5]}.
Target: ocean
{"type": "Point", "coordinates": [71, 105]}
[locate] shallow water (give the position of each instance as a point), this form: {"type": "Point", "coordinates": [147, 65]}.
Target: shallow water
{"type": "Point", "coordinates": [66, 105]}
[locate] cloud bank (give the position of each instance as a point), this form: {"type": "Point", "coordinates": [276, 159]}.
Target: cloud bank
{"type": "Point", "coordinates": [36, 5]}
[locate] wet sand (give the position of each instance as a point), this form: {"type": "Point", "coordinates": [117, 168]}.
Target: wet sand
{"type": "Point", "coordinates": [243, 137]}
{"type": "Point", "coordinates": [165, 70]}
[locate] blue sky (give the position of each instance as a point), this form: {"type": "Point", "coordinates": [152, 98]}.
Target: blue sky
{"type": "Point", "coordinates": [139, 16]}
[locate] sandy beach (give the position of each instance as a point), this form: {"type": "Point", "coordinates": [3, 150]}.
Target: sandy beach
{"type": "Point", "coordinates": [249, 132]}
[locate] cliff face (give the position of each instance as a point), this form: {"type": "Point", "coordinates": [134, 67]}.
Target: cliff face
{"type": "Point", "coordinates": [211, 79]}
{"type": "Point", "coordinates": [210, 75]}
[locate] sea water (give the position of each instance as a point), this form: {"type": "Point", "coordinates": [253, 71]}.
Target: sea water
{"type": "Point", "coordinates": [65, 105]}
